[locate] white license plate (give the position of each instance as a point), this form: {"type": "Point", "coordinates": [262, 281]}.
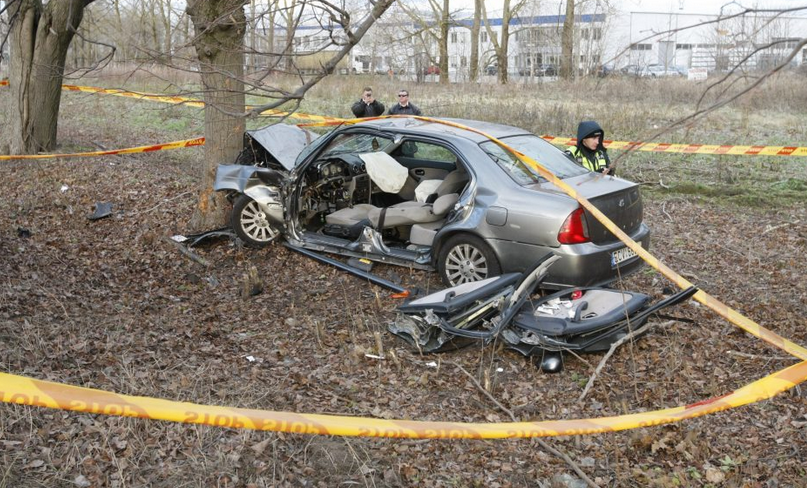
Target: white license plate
{"type": "Point", "coordinates": [621, 255]}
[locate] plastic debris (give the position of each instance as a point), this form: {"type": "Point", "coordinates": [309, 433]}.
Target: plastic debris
{"type": "Point", "coordinates": [102, 209]}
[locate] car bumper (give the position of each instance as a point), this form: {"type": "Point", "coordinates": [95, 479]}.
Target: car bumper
{"type": "Point", "coordinates": [585, 264]}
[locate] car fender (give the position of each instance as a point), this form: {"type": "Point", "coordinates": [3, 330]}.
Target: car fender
{"type": "Point", "coordinates": [269, 201]}
{"type": "Point", "coordinates": [464, 224]}
{"type": "Point", "coordinates": [240, 178]}
{"type": "Point", "coordinates": [260, 184]}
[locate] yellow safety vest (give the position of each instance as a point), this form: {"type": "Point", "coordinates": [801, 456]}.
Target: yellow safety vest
{"type": "Point", "coordinates": [599, 165]}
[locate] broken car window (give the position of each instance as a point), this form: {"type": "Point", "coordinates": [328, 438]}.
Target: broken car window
{"type": "Point", "coordinates": [356, 143]}
{"type": "Point", "coordinates": [536, 148]}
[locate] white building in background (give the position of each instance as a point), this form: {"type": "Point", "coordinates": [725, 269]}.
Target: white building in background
{"type": "Point", "coordinates": [534, 48]}
{"type": "Point", "coordinates": [614, 39]}
{"type": "Point", "coordinates": [704, 41]}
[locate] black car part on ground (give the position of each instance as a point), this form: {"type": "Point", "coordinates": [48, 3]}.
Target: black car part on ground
{"type": "Point", "coordinates": [574, 335]}
{"type": "Point", "coordinates": [375, 279]}
{"type": "Point", "coordinates": [578, 319]}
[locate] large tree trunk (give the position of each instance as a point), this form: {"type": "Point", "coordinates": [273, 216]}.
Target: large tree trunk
{"type": "Point", "coordinates": [567, 64]}
{"type": "Point", "coordinates": [503, 48]}
{"type": "Point", "coordinates": [219, 41]}
{"type": "Point", "coordinates": [445, 19]}
{"type": "Point", "coordinates": [475, 27]}
{"type": "Point", "coordinates": [40, 36]}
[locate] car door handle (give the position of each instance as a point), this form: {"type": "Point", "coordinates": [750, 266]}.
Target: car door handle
{"type": "Point", "coordinates": [420, 172]}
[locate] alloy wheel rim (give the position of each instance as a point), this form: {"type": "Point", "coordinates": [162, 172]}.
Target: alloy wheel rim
{"type": "Point", "coordinates": [255, 223]}
{"type": "Point", "coordinates": [465, 263]}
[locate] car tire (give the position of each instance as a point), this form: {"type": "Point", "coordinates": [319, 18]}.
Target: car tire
{"type": "Point", "coordinates": [465, 258]}
{"type": "Point", "coordinates": [251, 224]}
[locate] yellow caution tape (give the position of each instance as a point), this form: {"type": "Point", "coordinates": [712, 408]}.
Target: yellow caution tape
{"type": "Point", "coordinates": [26, 391]}
{"type": "Point", "coordinates": [199, 141]}
{"type": "Point", "coordinates": [323, 121]}
{"type": "Point", "coordinates": [189, 102]}
{"type": "Point", "coordinates": [691, 148]}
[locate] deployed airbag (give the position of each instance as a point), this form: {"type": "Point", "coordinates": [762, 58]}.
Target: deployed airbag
{"type": "Point", "coordinates": [387, 173]}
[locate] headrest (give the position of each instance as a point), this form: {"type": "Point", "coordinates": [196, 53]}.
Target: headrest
{"type": "Point", "coordinates": [408, 149]}
{"type": "Point", "coordinates": [453, 182]}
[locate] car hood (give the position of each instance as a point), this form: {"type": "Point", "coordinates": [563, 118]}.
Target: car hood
{"type": "Point", "coordinates": [283, 142]}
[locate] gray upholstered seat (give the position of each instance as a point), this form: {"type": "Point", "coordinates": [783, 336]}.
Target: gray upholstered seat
{"type": "Point", "coordinates": [350, 215]}
{"type": "Point", "coordinates": [407, 213]}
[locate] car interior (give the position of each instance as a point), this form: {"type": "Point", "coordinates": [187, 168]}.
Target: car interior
{"type": "Point", "coordinates": [405, 194]}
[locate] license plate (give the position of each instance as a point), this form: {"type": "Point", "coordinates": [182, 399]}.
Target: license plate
{"type": "Point", "coordinates": [621, 255]}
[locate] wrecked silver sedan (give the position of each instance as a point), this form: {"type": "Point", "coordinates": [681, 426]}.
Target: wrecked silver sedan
{"type": "Point", "coordinates": [430, 196]}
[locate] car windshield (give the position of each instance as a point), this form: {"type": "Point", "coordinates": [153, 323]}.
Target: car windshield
{"type": "Point", "coordinates": [356, 144]}
{"type": "Point", "coordinates": [538, 149]}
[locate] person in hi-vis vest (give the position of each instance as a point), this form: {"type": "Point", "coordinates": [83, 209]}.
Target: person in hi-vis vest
{"type": "Point", "coordinates": [589, 151]}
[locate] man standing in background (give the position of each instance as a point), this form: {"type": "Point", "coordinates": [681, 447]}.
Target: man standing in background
{"type": "Point", "coordinates": [403, 107]}
{"type": "Point", "coordinates": [367, 106]}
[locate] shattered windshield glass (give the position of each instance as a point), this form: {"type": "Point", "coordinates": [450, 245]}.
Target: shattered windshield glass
{"type": "Point", "coordinates": [356, 144]}
{"type": "Point", "coordinates": [538, 149]}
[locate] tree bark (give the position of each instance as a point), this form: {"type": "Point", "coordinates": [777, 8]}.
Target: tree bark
{"type": "Point", "coordinates": [219, 27]}
{"type": "Point", "coordinates": [502, 49]}
{"type": "Point", "coordinates": [445, 20]}
{"type": "Point", "coordinates": [40, 36]}
{"type": "Point", "coordinates": [502, 46]}
{"type": "Point", "coordinates": [475, 28]}
{"type": "Point", "coordinates": [567, 64]}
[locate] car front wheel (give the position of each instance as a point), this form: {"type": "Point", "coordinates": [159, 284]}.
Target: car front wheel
{"type": "Point", "coordinates": [251, 224]}
{"type": "Point", "coordinates": [465, 258]}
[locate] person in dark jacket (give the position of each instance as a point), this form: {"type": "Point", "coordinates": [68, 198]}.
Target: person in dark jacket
{"type": "Point", "coordinates": [367, 106]}
{"type": "Point", "coordinates": [404, 106]}
{"type": "Point", "coordinates": [589, 151]}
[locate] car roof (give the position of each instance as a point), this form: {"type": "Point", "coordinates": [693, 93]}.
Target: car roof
{"type": "Point", "coordinates": [414, 126]}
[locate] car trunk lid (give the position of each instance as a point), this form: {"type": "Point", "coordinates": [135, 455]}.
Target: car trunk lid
{"type": "Point", "coordinates": [619, 200]}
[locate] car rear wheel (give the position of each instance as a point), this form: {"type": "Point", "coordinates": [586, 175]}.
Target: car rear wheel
{"type": "Point", "coordinates": [251, 224]}
{"type": "Point", "coordinates": [465, 258]}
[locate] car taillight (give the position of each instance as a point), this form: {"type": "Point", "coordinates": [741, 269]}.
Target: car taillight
{"type": "Point", "coordinates": [575, 229]}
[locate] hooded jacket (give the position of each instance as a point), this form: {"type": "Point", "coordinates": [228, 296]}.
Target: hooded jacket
{"type": "Point", "coordinates": [596, 160]}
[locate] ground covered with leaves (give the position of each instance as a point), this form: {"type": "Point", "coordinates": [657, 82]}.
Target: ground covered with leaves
{"type": "Point", "coordinates": [113, 304]}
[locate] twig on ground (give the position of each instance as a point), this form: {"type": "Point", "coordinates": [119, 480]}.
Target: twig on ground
{"type": "Point", "coordinates": [771, 229]}
{"type": "Point", "coordinates": [541, 442]}
{"type": "Point", "coordinates": [630, 336]}
{"type": "Point", "coordinates": [188, 253]}
{"type": "Point", "coordinates": [767, 358]}
{"type": "Point", "coordinates": [732, 250]}
{"type": "Point", "coordinates": [661, 184]}
{"type": "Point", "coordinates": [664, 211]}
{"type": "Point", "coordinates": [161, 203]}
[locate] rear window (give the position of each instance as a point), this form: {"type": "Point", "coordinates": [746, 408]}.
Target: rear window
{"type": "Point", "coordinates": [536, 148]}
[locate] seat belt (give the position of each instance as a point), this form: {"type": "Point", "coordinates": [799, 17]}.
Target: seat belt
{"type": "Point", "coordinates": [381, 217]}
